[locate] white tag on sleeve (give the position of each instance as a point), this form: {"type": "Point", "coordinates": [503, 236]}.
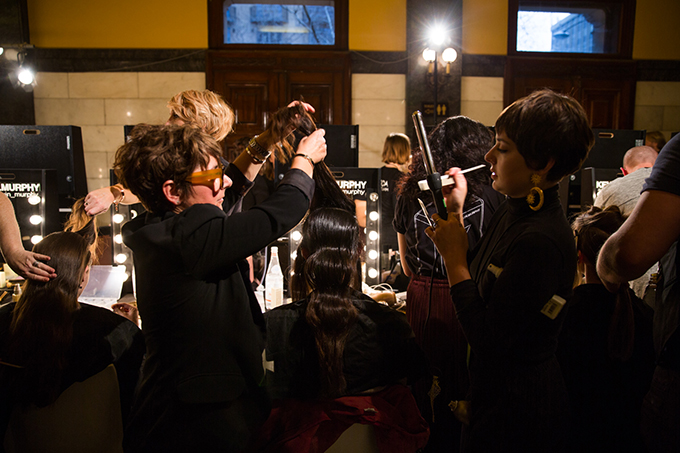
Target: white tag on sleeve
{"type": "Point", "coordinates": [553, 307]}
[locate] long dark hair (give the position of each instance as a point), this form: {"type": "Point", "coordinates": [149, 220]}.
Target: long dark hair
{"type": "Point", "coordinates": [326, 271]}
{"type": "Point", "coordinates": [456, 142]}
{"type": "Point", "coordinates": [592, 229]}
{"type": "Point", "coordinates": [290, 124]}
{"type": "Point", "coordinates": [41, 329]}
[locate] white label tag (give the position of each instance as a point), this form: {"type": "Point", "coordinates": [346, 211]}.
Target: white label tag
{"type": "Point", "coordinates": [495, 270]}
{"type": "Point", "coordinates": [553, 307]}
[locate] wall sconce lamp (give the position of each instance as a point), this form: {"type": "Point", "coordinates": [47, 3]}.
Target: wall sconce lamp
{"type": "Point", "coordinates": [22, 75]}
{"type": "Point", "coordinates": [449, 55]}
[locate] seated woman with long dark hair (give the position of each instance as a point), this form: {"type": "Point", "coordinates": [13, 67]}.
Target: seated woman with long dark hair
{"type": "Point", "coordinates": [335, 341]}
{"type": "Point", "coordinates": [48, 340]}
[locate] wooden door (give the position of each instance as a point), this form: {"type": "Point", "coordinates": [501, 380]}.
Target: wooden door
{"type": "Point", "coordinates": [605, 88]}
{"type": "Point", "coordinates": [249, 94]}
{"type": "Point", "coordinates": [257, 83]}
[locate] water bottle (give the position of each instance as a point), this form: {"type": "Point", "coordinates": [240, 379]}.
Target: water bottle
{"type": "Point", "coordinates": [273, 282]}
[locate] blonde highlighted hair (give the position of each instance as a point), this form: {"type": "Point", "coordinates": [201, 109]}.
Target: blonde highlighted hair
{"type": "Point", "coordinates": [204, 109]}
{"type": "Point", "coordinates": [397, 149]}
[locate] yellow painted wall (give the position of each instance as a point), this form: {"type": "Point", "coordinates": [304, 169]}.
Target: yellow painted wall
{"type": "Point", "coordinates": [150, 24]}
{"type": "Point", "coordinates": [657, 30]}
{"type": "Point", "coordinates": [377, 25]}
{"type": "Point", "coordinates": [485, 27]}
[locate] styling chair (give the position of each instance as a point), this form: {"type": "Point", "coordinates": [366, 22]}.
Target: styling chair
{"type": "Point", "coordinates": [85, 418]}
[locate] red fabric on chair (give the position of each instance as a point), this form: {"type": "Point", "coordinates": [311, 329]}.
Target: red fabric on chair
{"type": "Point", "coordinates": [313, 426]}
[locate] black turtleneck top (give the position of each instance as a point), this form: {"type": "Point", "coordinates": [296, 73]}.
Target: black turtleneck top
{"type": "Point", "coordinates": [523, 260]}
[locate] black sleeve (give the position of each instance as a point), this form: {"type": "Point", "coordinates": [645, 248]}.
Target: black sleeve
{"type": "Point", "coordinates": [529, 279]}
{"type": "Point", "coordinates": [209, 240]}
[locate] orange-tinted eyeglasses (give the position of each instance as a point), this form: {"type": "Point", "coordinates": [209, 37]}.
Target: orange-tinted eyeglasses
{"type": "Point", "coordinates": [211, 178]}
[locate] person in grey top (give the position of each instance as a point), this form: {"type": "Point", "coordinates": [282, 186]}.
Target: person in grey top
{"type": "Point", "coordinates": [625, 193]}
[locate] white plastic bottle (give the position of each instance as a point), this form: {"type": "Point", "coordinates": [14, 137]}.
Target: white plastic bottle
{"type": "Point", "coordinates": [273, 282]}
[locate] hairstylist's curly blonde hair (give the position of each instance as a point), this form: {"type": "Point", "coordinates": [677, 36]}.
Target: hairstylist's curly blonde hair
{"type": "Point", "coordinates": [204, 109]}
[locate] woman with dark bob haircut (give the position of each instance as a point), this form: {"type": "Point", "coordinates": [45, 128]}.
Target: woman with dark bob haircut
{"type": "Point", "coordinates": [510, 291]}
{"type": "Point", "coordinates": [199, 389]}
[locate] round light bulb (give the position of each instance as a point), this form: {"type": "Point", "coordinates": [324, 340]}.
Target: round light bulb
{"type": "Point", "coordinates": [373, 254]}
{"type": "Point", "coordinates": [35, 239]}
{"type": "Point", "coordinates": [372, 273]}
{"type": "Point", "coordinates": [26, 76]}
{"type": "Point", "coordinates": [373, 215]}
{"type": "Point", "coordinates": [121, 258]}
{"type": "Point", "coordinates": [429, 55]}
{"type": "Point", "coordinates": [34, 199]}
{"type": "Point", "coordinates": [35, 220]}
{"type": "Point", "coordinates": [449, 55]}
{"type": "Point", "coordinates": [118, 218]}
{"type": "Point", "coordinates": [373, 235]}
{"type": "Point", "coordinates": [296, 236]}
{"type": "Point", "coordinates": [118, 239]}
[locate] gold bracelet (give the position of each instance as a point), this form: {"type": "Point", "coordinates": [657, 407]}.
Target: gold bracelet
{"type": "Point", "coordinates": [254, 157]}
{"type": "Point", "coordinates": [262, 154]}
{"type": "Point", "coordinates": [306, 157]}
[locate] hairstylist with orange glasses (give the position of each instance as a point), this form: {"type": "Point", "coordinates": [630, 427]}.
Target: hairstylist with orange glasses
{"type": "Point", "coordinates": [199, 386]}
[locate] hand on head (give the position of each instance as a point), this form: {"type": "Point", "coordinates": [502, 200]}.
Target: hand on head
{"type": "Point", "coordinates": [307, 107]}
{"type": "Point", "coordinates": [31, 265]}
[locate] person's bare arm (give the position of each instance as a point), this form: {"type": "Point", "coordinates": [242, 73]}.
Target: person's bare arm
{"type": "Point", "coordinates": [653, 226]}
{"type": "Point", "coordinates": [402, 254]}
{"type": "Point", "coordinates": [99, 201]}
{"type": "Point", "coordinates": [27, 264]}
{"type": "Point", "coordinates": [360, 209]}
{"type": "Point", "coordinates": [249, 166]}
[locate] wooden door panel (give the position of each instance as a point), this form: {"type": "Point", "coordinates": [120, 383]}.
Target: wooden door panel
{"type": "Point", "coordinates": [602, 107]}
{"type": "Point", "coordinates": [257, 83]}
{"type": "Point", "coordinates": [605, 89]}
{"type": "Point", "coordinates": [316, 89]}
{"type": "Point", "coordinates": [248, 93]}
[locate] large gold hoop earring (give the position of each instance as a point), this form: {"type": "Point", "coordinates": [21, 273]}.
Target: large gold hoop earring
{"type": "Point", "coordinates": [534, 193]}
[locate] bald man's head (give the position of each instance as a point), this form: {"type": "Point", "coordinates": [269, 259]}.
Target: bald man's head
{"type": "Point", "coordinates": [639, 157]}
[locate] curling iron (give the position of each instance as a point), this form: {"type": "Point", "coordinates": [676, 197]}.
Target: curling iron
{"type": "Point", "coordinates": [434, 181]}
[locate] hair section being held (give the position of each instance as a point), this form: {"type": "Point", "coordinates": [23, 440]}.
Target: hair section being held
{"type": "Point", "coordinates": [82, 223]}
{"type": "Point", "coordinates": [326, 271]}
{"type": "Point", "coordinates": [290, 124]}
